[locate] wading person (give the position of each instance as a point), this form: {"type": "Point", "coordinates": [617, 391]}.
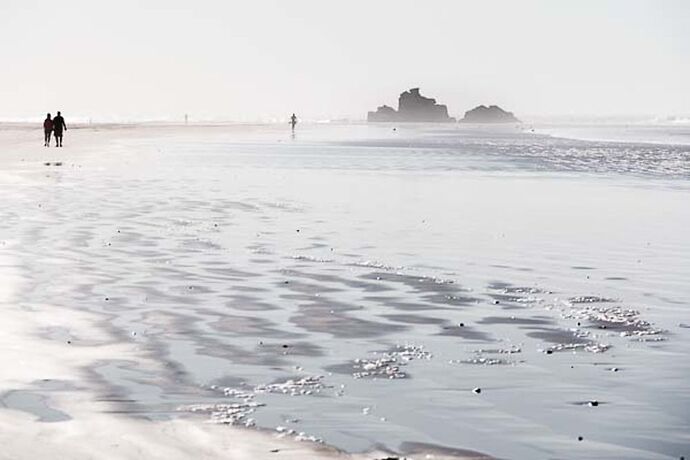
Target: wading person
{"type": "Point", "coordinates": [58, 126]}
{"type": "Point", "coordinates": [293, 121]}
{"type": "Point", "coordinates": [47, 129]}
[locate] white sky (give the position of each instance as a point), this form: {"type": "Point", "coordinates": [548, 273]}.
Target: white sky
{"type": "Point", "coordinates": [259, 59]}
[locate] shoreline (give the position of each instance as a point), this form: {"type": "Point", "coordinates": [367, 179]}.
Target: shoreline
{"type": "Point", "coordinates": [575, 133]}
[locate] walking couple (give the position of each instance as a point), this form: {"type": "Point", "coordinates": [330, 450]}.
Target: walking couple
{"type": "Point", "coordinates": [56, 126]}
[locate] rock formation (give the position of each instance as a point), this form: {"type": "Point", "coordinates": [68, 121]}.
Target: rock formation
{"type": "Point", "coordinates": [383, 113]}
{"type": "Point", "coordinates": [412, 107]}
{"type": "Point", "coordinates": [491, 114]}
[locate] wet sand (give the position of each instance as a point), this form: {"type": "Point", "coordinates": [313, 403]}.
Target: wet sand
{"type": "Point", "coordinates": [424, 291]}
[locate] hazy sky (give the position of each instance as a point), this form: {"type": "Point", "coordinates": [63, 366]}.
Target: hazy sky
{"type": "Point", "coordinates": [260, 59]}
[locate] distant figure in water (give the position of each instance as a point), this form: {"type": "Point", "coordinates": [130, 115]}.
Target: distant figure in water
{"type": "Point", "coordinates": [58, 126]}
{"type": "Point", "coordinates": [293, 121]}
{"type": "Point", "coordinates": [47, 129]}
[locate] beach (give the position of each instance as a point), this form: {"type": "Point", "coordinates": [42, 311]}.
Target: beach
{"type": "Point", "coordinates": [352, 291]}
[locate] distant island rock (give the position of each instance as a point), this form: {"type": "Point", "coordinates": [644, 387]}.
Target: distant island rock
{"type": "Point", "coordinates": [491, 114]}
{"type": "Point", "coordinates": [412, 107]}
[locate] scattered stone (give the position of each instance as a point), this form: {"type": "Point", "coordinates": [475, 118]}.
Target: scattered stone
{"type": "Point", "coordinates": [524, 290]}
{"type": "Point", "coordinates": [227, 414]}
{"type": "Point", "coordinates": [589, 299]}
{"type": "Point", "coordinates": [311, 258]}
{"type": "Point", "coordinates": [390, 363]}
{"type": "Point", "coordinates": [233, 393]}
{"type": "Point", "coordinates": [304, 437]}
{"type": "Point", "coordinates": [301, 387]}
{"type": "Point", "coordinates": [625, 320]}
{"type": "Point", "coordinates": [507, 351]}
{"type": "Point", "coordinates": [481, 360]}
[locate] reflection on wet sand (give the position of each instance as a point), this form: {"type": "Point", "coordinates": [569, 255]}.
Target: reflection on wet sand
{"type": "Point", "coordinates": [357, 341]}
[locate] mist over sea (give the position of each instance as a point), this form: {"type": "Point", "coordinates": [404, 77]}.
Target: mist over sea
{"type": "Point", "coordinates": [498, 289]}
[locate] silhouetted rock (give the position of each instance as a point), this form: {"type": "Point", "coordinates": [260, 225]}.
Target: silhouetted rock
{"type": "Point", "coordinates": [383, 113]}
{"type": "Point", "coordinates": [412, 107]}
{"type": "Point", "coordinates": [491, 114]}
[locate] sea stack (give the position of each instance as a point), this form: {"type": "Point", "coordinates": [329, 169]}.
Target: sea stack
{"type": "Point", "coordinates": [412, 107]}
{"type": "Point", "coordinates": [491, 114]}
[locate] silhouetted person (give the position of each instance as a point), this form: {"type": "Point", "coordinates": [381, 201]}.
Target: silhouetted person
{"type": "Point", "coordinates": [58, 126]}
{"type": "Point", "coordinates": [47, 129]}
{"type": "Point", "coordinates": [293, 121]}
